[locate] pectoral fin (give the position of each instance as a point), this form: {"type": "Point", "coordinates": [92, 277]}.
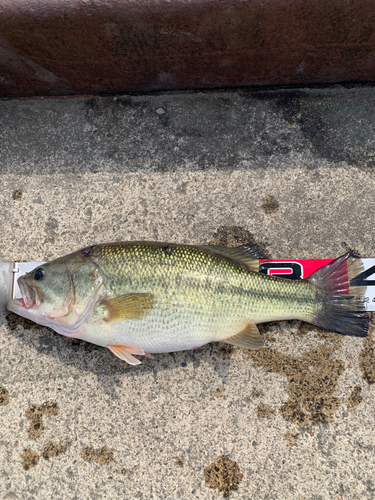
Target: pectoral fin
{"type": "Point", "coordinates": [249, 338]}
{"type": "Point", "coordinates": [130, 306]}
{"type": "Point", "coordinates": [125, 352]}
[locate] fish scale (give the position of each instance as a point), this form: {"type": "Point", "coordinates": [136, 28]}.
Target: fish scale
{"type": "Point", "coordinates": [200, 297]}
{"type": "Point", "coordinates": [149, 297]}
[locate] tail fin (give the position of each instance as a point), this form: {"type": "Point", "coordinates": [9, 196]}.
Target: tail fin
{"type": "Point", "coordinates": [342, 306]}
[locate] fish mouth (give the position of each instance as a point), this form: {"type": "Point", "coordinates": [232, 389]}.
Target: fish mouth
{"type": "Point", "coordinates": [29, 295]}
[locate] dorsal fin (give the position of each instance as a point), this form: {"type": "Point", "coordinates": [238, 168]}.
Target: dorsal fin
{"type": "Point", "coordinates": [248, 254]}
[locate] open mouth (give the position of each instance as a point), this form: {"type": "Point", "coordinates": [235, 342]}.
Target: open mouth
{"type": "Point", "coordinates": [29, 295]}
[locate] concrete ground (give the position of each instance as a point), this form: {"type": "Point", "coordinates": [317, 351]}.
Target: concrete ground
{"type": "Point", "coordinates": [292, 168]}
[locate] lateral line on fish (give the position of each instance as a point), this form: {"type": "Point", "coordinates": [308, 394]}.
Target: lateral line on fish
{"type": "Point", "coordinates": [9, 289]}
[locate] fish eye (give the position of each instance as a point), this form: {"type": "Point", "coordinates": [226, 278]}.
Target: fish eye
{"type": "Point", "coordinates": [39, 274]}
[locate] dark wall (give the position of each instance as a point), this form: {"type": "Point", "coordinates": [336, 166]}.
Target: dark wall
{"type": "Point", "coordinates": [57, 47]}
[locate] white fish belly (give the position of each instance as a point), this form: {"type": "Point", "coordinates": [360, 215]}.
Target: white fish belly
{"type": "Point", "coordinates": [163, 333]}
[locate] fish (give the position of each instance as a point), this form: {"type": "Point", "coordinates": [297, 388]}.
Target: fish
{"type": "Point", "coordinates": [142, 298]}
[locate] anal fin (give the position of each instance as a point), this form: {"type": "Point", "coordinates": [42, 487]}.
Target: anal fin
{"type": "Point", "coordinates": [249, 338]}
{"type": "Point", "coordinates": [125, 352]}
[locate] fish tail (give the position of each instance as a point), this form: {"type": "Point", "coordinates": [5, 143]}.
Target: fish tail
{"type": "Point", "coordinates": [341, 306]}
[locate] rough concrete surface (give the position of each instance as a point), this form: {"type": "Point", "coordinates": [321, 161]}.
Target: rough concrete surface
{"type": "Point", "coordinates": [295, 170]}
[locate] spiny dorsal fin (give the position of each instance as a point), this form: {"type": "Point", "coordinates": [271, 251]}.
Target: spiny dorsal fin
{"type": "Point", "coordinates": [130, 306]}
{"type": "Point", "coordinates": [248, 254]}
{"type": "Point", "coordinates": [249, 338]}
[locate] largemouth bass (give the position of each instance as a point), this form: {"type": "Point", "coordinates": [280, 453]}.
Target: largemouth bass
{"type": "Point", "coordinates": [140, 298]}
